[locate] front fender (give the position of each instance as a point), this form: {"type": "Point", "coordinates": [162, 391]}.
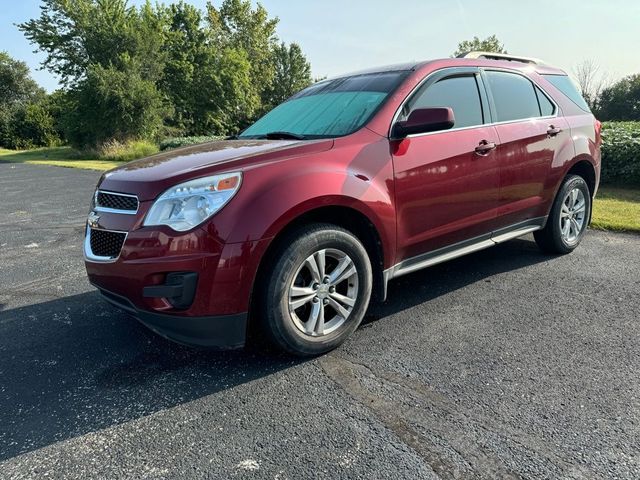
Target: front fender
{"type": "Point", "coordinates": [274, 195]}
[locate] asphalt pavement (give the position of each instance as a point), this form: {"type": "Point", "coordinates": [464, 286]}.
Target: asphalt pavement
{"type": "Point", "coordinates": [507, 363]}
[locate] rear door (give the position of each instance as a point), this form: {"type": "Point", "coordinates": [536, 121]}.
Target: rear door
{"type": "Point", "coordinates": [446, 190]}
{"type": "Point", "coordinates": [533, 137]}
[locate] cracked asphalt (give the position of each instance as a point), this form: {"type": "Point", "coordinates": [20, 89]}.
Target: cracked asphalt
{"type": "Point", "coordinates": [504, 364]}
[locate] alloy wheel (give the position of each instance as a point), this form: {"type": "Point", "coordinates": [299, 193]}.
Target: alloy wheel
{"type": "Point", "coordinates": [573, 216]}
{"type": "Point", "coordinates": [323, 292]}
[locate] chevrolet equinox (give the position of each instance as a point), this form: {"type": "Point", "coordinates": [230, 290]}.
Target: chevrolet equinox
{"type": "Point", "coordinates": [303, 218]}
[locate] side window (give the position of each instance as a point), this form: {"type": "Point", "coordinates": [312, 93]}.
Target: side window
{"type": "Point", "coordinates": [513, 95]}
{"type": "Point", "coordinates": [546, 107]}
{"type": "Point", "coordinates": [569, 88]}
{"type": "Point", "coordinates": [460, 93]}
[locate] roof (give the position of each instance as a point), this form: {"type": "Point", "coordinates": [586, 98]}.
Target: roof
{"type": "Point", "coordinates": [483, 59]}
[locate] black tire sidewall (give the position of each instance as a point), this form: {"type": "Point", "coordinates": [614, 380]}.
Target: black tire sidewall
{"type": "Point", "coordinates": [279, 323]}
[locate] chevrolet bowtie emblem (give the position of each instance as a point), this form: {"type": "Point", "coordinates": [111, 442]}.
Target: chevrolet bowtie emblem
{"type": "Point", "coordinates": [93, 220]}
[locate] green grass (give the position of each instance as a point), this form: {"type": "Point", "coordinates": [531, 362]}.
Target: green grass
{"type": "Point", "coordinates": [617, 209]}
{"type": "Point", "coordinates": [125, 152]}
{"type": "Point", "coordinates": [57, 156]}
{"type": "Point", "coordinates": [109, 156]}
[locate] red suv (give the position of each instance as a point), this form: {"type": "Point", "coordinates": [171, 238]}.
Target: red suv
{"type": "Point", "coordinates": [297, 222]}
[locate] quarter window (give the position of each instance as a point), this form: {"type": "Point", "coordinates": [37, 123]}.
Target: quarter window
{"type": "Point", "coordinates": [513, 95]}
{"type": "Point", "coordinates": [546, 107]}
{"type": "Point", "coordinates": [569, 88]}
{"type": "Point", "coordinates": [460, 93]}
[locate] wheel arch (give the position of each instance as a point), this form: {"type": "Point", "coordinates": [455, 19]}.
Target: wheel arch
{"type": "Point", "coordinates": [585, 169]}
{"type": "Point", "coordinates": [346, 217]}
{"type": "Point", "coordinates": [583, 166]}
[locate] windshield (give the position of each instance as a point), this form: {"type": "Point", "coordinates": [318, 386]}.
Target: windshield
{"type": "Point", "coordinates": [331, 108]}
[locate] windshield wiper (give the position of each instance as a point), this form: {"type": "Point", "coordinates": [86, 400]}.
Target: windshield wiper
{"type": "Point", "coordinates": [283, 136]}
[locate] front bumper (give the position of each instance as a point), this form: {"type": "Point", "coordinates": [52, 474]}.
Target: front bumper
{"type": "Point", "coordinates": [207, 283]}
{"type": "Point", "coordinates": [222, 331]}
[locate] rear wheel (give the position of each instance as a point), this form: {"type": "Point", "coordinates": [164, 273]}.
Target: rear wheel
{"type": "Point", "coordinates": [568, 218]}
{"type": "Point", "coordinates": [317, 290]}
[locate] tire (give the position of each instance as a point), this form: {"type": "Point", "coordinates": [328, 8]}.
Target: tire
{"type": "Point", "coordinates": [568, 219]}
{"type": "Point", "coordinates": [307, 310]}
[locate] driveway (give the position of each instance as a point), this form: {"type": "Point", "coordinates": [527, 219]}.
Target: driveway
{"type": "Point", "coordinates": [506, 363]}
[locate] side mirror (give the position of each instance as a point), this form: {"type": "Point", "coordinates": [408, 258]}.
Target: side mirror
{"type": "Point", "coordinates": [423, 120]}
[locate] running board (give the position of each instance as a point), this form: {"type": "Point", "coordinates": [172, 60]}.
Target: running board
{"type": "Point", "coordinates": [463, 248]}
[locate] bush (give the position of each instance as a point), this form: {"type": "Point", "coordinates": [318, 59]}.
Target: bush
{"type": "Point", "coordinates": [621, 153]}
{"type": "Point", "coordinates": [621, 101]}
{"type": "Point", "coordinates": [121, 152]}
{"type": "Point", "coordinates": [28, 125]}
{"type": "Point", "coordinates": [177, 142]}
{"type": "Point", "coordinates": [111, 104]}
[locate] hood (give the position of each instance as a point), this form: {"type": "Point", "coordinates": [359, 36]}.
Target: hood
{"type": "Point", "coordinates": [149, 177]}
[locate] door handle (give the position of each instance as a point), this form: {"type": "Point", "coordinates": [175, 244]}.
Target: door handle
{"type": "Point", "coordinates": [484, 147]}
{"type": "Point", "coordinates": [553, 131]}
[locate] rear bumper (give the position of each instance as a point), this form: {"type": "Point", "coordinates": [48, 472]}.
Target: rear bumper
{"type": "Point", "coordinates": [220, 331]}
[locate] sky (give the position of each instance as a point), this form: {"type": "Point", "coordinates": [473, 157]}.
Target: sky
{"type": "Point", "coordinates": [340, 36]}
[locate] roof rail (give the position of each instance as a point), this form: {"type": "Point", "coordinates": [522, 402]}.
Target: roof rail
{"type": "Point", "coordinates": [502, 56]}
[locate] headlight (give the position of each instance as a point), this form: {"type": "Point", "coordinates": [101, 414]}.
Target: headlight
{"type": "Point", "coordinates": [189, 204]}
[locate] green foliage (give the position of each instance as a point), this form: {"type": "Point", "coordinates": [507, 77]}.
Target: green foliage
{"type": "Point", "coordinates": [79, 34]}
{"type": "Point", "coordinates": [207, 81]}
{"type": "Point", "coordinates": [177, 142]}
{"type": "Point", "coordinates": [25, 121]}
{"type": "Point", "coordinates": [238, 26]}
{"type": "Point", "coordinates": [489, 44]}
{"type": "Point", "coordinates": [16, 84]}
{"type": "Point", "coordinates": [113, 105]}
{"type": "Point", "coordinates": [32, 126]}
{"type": "Point", "coordinates": [292, 74]}
{"type": "Point", "coordinates": [139, 72]}
{"type": "Point", "coordinates": [124, 152]}
{"type": "Point", "coordinates": [621, 101]}
{"type": "Point", "coordinates": [109, 56]}
{"type": "Point", "coordinates": [621, 153]}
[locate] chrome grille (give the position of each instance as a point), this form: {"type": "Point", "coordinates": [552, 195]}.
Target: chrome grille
{"type": "Point", "coordinates": [105, 243]}
{"type": "Point", "coordinates": [116, 201]}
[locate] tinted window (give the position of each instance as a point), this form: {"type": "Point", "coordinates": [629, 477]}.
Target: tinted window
{"type": "Point", "coordinates": [459, 93]}
{"type": "Point", "coordinates": [513, 96]}
{"type": "Point", "coordinates": [329, 109]}
{"type": "Point", "coordinates": [566, 86]}
{"type": "Point", "coordinates": [546, 107]}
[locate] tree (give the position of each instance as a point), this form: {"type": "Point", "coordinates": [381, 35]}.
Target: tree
{"type": "Point", "coordinates": [32, 125]}
{"type": "Point", "coordinates": [109, 56]}
{"type": "Point", "coordinates": [237, 26]}
{"type": "Point", "coordinates": [489, 44]}
{"type": "Point", "coordinates": [591, 82]}
{"type": "Point", "coordinates": [292, 74]}
{"type": "Point", "coordinates": [113, 104]}
{"type": "Point", "coordinates": [621, 101]}
{"type": "Point", "coordinates": [16, 84]}
{"type": "Point", "coordinates": [77, 34]}
{"type": "Point", "coordinates": [208, 81]}
{"type": "Point", "coordinates": [25, 121]}
{"type": "Point", "coordinates": [212, 70]}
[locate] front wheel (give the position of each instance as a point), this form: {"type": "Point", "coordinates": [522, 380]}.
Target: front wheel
{"type": "Point", "coordinates": [568, 218]}
{"type": "Point", "coordinates": [317, 290]}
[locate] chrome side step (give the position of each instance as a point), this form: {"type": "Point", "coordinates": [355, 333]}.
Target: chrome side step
{"type": "Point", "coordinates": [515, 234]}
{"type": "Point", "coordinates": [402, 269]}
{"type": "Point", "coordinates": [463, 248]}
